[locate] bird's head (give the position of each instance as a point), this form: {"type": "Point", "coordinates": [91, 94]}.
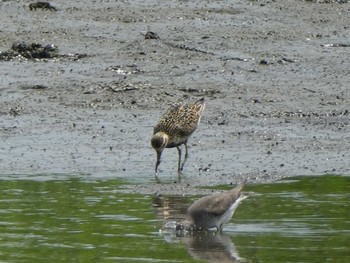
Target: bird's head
{"type": "Point", "coordinates": [159, 141]}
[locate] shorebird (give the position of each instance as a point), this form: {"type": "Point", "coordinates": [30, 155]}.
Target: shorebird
{"type": "Point", "coordinates": [174, 128]}
{"type": "Point", "coordinates": [213, 210]}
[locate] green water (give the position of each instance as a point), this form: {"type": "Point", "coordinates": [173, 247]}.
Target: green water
{"type": "Point", "coordinates": [299, 220]}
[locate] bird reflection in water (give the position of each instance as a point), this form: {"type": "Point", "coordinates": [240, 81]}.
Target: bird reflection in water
{"type": "Point", "coordinates": [212, 247]}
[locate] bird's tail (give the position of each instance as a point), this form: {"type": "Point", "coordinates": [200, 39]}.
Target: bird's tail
{"type": "Point", "coordinates": [199, 106]}
{"type": "Point", "coordinates": [242, 184]}
{"type": "Point", "coordinates": [200, 101]}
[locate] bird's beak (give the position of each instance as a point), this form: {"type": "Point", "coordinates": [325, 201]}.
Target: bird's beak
{"type": "Point", "coordinates": [159, 153]}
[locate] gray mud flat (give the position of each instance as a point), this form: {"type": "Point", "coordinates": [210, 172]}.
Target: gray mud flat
{"type": "Point", "coordinates": [275, 75]}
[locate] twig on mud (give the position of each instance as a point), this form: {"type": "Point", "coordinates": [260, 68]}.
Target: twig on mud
{"type": "Point", "coordinates": [123, 89]}
{"type": "Point", "coordinates": [152, 35]}
{"type": "Point", "coordinates": [310, 90]}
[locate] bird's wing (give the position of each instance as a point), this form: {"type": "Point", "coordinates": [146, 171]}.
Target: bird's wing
{"type": "Point", "coordinates": [215, 204]}
{"type": "Point", "coordinates": [177, 120]}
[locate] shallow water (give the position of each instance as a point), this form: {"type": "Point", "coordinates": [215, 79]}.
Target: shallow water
{"type": "Point", "coordinates": [303, 219]}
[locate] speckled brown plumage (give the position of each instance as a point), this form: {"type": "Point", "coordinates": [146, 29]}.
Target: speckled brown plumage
{"type": "Point", "coordinates": [175, 127]}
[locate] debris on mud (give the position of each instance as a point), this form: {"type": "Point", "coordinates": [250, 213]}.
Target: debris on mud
{"type": "Point", "coordinates": [328, 1]}
{"type": "Point", "coordinates": [126, 70]}
{"type": "Point", "coordinates": [16, 111]}
{"type": "Point", "coordinates": [336, 45]}
{"type": "Point", "coordinates": [42, 5]}
{"type": "Point", "coordinates": [204, 92]}
{"type": "Point", "coordinates": [33, 87]}
{"type": "Point", "coordinates": [121, 87]}
{"type": "Point", "coordinates": [33, 51]}
{"type": "Point", "coordinates": [151, 35]}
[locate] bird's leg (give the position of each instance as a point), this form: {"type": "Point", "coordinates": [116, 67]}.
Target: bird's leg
{"type": "Point", "coordinates": [179, 161]}
{"type": "Point", "coordinates": [219, 228]}
{"type": "Point", "coordinates": [186, 156]}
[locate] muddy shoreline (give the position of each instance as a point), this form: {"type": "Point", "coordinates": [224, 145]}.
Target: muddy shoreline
{"type": "Point", "coordinates": [273, 73]}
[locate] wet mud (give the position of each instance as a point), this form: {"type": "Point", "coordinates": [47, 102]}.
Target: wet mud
{"type": "Point", "coordinates": [274, 75]}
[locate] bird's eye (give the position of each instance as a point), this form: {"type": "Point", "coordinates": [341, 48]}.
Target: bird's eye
{"type": "Point", "coordinates": [157, 142]}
